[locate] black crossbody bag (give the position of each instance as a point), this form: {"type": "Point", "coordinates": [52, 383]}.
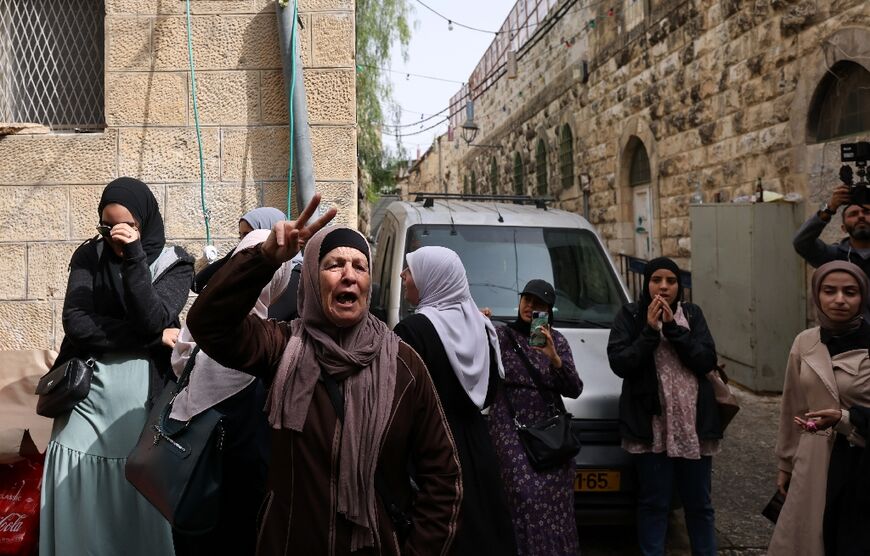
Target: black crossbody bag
{"type": "Point", "coordinates": [549, 443]}
{"type": "Point", "coordinates": [64, 386]}
{"type": "Point", "coordinates": [178, 466]}
{"type": "Point", "coordinates": [400, 519]}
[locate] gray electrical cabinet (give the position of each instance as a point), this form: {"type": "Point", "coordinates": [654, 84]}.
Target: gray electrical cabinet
{"type": "Point", "coordinates": [751, 285]}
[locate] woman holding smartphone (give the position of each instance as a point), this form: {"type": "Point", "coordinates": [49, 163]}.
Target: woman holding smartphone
{"type": "Point", "coordinates": [662, 349]}
{"type": "Point", "coordinates": [541, 502]}
{"type": "Point", "coordinates": [828, 372]}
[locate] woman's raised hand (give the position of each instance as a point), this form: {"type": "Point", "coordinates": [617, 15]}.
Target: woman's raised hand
{"type": "Point", "coordinates": [283, 243]}
{"type": "Point", "coordinates": [124, 233]}
{"type": "Point", "coordinates": [549, 349]}
{"type": "Point", "coordinates": [654, 313]}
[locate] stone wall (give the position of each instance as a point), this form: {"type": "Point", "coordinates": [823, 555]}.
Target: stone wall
{"type": "Point", "coordinates": [50, 184]}
{"type": "Point", "coordinates": [719, 91]}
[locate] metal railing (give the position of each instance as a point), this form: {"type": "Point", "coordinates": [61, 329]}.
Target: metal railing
{"type": "Point", "coordinates": [52, 58]}
{"type": "Point", "coordinates": [632, 269]}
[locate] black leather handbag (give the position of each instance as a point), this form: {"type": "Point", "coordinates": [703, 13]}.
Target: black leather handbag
{"type": "Point", "coordinates": [549, 443]}
{"type": "Point", "coordinates": [64, 386]}
{"type": "Point", "coordinates": [177, 466]}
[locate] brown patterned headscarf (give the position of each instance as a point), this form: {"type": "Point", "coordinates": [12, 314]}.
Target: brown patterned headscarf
{"type": "Point", "coordinates": [825, 321]}
{"type": "Point", "coordinates": [363, 357]}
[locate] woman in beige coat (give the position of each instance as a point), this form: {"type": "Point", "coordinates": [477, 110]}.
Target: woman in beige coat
{"type": "Point", "coordinates": [828, 372]}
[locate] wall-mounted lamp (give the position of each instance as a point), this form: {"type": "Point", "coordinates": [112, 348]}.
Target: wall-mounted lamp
{"type": "Point", "coordinates": [469, 128]}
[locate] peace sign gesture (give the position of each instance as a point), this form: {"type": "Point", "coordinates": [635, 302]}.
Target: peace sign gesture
{"type": "Point", "coordinates": [283, 243]}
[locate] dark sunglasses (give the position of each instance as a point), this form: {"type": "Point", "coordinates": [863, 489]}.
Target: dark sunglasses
{"type": "Point", "coordinates": [106, 230]}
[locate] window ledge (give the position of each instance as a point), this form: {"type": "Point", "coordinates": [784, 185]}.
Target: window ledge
{"type": "Point", "coordinates": [20, 128]}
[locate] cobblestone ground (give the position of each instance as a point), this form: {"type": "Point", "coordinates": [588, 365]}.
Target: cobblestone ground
{"type": "Point", "coordinates": [744, 479]}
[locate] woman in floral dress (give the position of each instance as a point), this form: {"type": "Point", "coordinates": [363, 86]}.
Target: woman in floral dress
{"type": "Point", "coordinates": [541, 502]}
{"type": "Point", "coordinates": [668, 418]}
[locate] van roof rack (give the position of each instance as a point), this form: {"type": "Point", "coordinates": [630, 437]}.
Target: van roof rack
{"type": "Point", "coordinates": [428, 198]}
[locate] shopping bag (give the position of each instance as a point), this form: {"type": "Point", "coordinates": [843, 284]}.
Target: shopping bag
{"type": "Point", "coordinates": [20, 485]}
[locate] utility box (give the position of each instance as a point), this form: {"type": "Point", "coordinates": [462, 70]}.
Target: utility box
{"type": "Point", "coordinates": [751, 285]}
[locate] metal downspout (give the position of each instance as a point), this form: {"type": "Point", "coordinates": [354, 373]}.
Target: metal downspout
{"type": "Point", "coordinates": [303, 166]}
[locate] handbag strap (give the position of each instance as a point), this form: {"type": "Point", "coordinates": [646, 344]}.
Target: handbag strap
{"type": "Point", "coordinates": [182, 382]}
{"type": "Point", "coordinates": [535, 374]}
{"type": "Point", "coordinates": [399, 518]}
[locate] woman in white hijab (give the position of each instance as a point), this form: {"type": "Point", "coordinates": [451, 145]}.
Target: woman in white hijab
{"type": "Point", "coordinates": [461, 351]}
{"type": "Point", "coordinates": [241, 398]}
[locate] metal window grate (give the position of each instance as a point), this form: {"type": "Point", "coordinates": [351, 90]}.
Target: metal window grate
{"type": "Point", "coordinates": [51, 63]}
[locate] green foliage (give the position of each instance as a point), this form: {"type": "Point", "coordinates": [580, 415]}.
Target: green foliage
{"type": "Point", "coordinates": [379, 25]}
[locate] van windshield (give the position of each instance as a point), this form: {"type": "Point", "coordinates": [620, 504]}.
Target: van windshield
{"type": "Point", "coordinates": [499, 261]}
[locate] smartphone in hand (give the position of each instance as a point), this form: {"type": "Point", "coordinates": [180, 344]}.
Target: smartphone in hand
{"type": "Point", "coordinates": [539, 320]}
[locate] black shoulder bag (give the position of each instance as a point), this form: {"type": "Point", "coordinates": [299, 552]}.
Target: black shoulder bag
{"type": "Point", "coordinates": [178, 466]}
{"type": "Point", "coordinates": [549, 443]}
{"type": "Point", "coordinates": [64, 386]}
{"type": "Point", "coordinates": [401, 521]}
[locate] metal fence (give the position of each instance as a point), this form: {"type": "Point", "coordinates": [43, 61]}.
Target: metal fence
{"type": "Point", "coordinates": [632, 269]}
{"type": "Point", "coordinates": [51, 63]}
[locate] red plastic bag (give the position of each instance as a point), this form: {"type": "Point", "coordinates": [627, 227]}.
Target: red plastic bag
{"type": "Point", "coordinates": [20, 485]}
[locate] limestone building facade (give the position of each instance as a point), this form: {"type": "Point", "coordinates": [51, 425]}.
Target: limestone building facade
{"type": "Point", "coordinates": [51, 180]}
{"type": "Point", "coordinates": [626, 111]}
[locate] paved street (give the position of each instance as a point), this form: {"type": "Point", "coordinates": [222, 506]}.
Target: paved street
{"type": "Point", "coordinates": [744, 475]}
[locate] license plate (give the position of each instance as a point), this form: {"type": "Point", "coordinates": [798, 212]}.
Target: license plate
{"type": "Point", "coordinates": [596, 480]}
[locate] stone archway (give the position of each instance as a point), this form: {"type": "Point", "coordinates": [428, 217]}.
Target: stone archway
{"type": "Point", "coordinates": [635, 128]}
{"type": "Point", "coordinates": [815, 164]}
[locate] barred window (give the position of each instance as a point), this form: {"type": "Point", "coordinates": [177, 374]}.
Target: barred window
{"type": "Point", "coordinates": [473, 183]}
{"type": "Point", "coordinates": [493, 176]}
{"type": "Point", "coordinates": [639, 173]}
{"type": "Point", "coordinates": [566, 157]}
{"type": "Point", "coordinates": [541, 167]}
{"type": "Point", "coordinates": [841, 104]}
{"type": "Point", "coordinates": [519, 186]}
{"type": "Point", "coordinates": [52, 63]}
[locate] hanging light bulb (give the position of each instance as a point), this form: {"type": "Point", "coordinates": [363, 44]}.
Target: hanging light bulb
{"type": "Point", "coordinates": [449, 25]}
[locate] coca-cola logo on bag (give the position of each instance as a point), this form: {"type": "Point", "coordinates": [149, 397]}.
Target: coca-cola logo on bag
{"type": "Point", "coordinates": [12, 523]}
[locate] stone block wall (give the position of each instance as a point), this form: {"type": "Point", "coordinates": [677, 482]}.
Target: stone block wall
{"type": "Point", "coordinates": [50, 184]}
{"type": "Point", "coordinates": [719, 91]}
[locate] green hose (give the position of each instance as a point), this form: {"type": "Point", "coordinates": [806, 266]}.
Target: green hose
{"type": "Point", "coordinates": [205, 213]}
{"type": "Point", "coordinates": [290, 109]}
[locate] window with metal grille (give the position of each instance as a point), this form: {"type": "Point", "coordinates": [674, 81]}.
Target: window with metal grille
{"type": "Point", "coordinates": [519, 186]}
{"type": "Point", "coordinates": [566, 157]}
{"type": "Point", "coordinates": [841, 104]}
{"type": "Point", "coordinates": [52, 63]}
{"type": "Point", "coordinates": [473, 183]}
{"type": "Point", "coordinates": [493, 176]}
{"type": "Point", "coordinates": [639, 173]}
{"type": "Point", "coordinates": [541, 167]}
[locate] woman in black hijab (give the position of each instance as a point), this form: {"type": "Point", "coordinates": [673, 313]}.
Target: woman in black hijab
{"type": "Point", "coordinates": [126, 289]}
{"type": "Point", "coordinates": [662, 349]}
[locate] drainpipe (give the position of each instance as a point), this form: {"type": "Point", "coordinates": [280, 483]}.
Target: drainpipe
{"type": "Point", "coordinates": [303, 160]}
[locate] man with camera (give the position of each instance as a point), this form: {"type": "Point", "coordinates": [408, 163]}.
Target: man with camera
{"type": "Point", "coordinates": [854, 248]}
{"type": "Point", "coordinates": [856, 216]}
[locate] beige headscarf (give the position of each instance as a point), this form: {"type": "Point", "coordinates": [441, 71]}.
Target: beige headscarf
{"type": "Point", "coordinates": [825, 321]}
{"type": "Point", "coordinates": [363, 356]}
{"type": "Point", "coordinates": [211, 382]}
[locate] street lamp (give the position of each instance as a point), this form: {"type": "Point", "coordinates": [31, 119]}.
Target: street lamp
{"type": "Point", "coordinates": [469, 128]}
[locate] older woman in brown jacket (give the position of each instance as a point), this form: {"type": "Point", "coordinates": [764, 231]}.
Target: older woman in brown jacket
{"type": "Point", "coordinates": [350, 405]}
{"type": "Point", "coordinates": [828, 372]}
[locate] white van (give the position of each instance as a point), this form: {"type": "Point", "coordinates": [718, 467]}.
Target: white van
{"type": "Point", "coordinates": [505, 241]}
